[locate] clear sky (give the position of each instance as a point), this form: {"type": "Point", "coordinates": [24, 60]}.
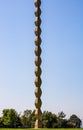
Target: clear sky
{"type": "Point", "coordinates": [62, 55]}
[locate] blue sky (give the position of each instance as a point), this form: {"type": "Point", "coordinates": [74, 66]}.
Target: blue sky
{"type": "Point", "coordinates": [62, 55]}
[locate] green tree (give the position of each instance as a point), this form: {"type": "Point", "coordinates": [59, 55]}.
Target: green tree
{"type": "Point", "coordinates": [10, 118]}
{"type": "Point", "coordinates": [1, 122]}
{"type": "Point", "coordinates": [26, 118]}
{"type": "Point", "coordinates": [74, 121]}
{"type": "Point", "coordinates": [61, 115]}
{"type": "Point", "coordinates": [62, 123]}
{"type": "Point", "coordinates": [49, 120]}
{"type": "Point", "coordinates": [32, 119]}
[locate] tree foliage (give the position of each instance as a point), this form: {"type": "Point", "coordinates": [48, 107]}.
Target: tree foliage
{"type": "Point", "coordinates": [28, 119]}
{"type": "Point", "coordinates": [10, 118]}
{"type": "Point", "coordinates": [49, 120]}
{"type": "Point", "coordinates": [74, 121]}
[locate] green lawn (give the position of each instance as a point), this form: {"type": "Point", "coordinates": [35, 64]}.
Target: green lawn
{"type": "Point", "coordinates": [40, 129]}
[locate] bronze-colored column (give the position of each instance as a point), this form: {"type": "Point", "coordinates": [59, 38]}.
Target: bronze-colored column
{"type": "Point", "coordinates": [38, 92]}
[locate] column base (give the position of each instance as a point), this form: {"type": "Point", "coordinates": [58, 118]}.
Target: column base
{"type": "Point", "coordinates": [38, 124]}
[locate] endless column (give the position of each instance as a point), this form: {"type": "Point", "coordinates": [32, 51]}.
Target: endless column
{"type": "Point", "coordinates": [38, 82]}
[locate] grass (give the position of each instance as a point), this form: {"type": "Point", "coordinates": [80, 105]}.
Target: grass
{"type": "Point", "coordinates": [41, 129]}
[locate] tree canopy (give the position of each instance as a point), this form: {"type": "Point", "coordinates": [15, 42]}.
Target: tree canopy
{"type": "Point", "coordinates": [11, 119]}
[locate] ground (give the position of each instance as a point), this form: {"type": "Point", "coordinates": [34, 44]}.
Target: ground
{"type": "Point", "coordinates": [40, 129]}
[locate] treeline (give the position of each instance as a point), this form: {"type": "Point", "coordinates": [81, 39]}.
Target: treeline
{"type": "Point", "coordinates": [11, 119]}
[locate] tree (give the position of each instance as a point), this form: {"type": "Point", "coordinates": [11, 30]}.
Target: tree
{"type": "Point", "coordinates": [26, 118]}
{"type": "Point", "coordinates": [11, 118]}
{"type": "Point", "coordinates": [1, 122]}
{"type": "Point", "coordinates": [49, 120]}
{"type": "Point", "coordinates": [62, 123]}
{"type": "Point", "coordinates": [61, 115]}
{"type": "Point", "coordinates": [32, 119]}
{"type": "Point", "coordinates": [74, 121]}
